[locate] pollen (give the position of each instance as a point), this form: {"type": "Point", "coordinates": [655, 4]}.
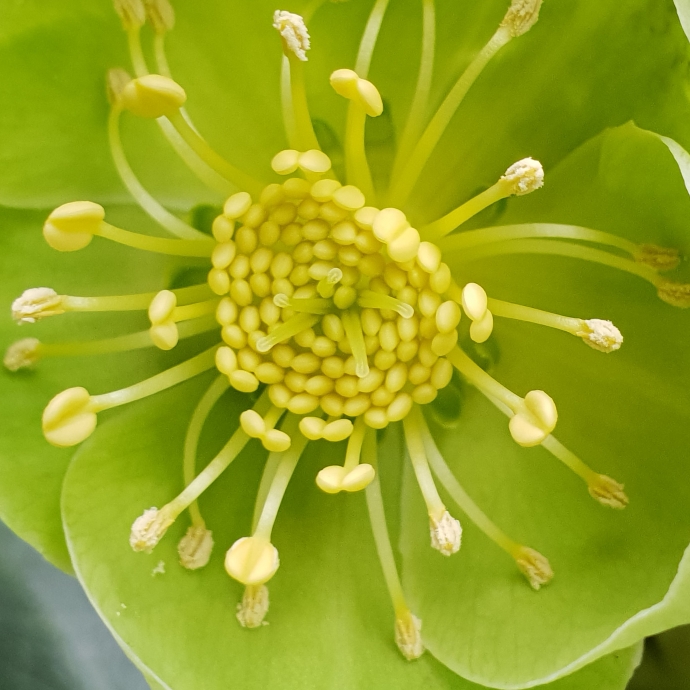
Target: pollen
{"type": "Point", "coordinates": [601, 335]}
{"type": "Point", "coordinates": [35, 304]}
{"type": "Point", "coordinates": [293, 31]}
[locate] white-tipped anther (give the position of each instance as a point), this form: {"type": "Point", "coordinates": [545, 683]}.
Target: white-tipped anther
{"type": "Point", "coordinates": [446, 534]}
{"type": "Point", "coordinates": [22, 354]}
{"type": "Point", "coordinates": [524, 177]}
{"type": "Point", "coordinates": [153, 96]}
{"type": "Point", "coordinates": [601, 335]}
{"type": "Point", "coordinates": [408, 636]}
{"type": "Point", "coordinates": [535, 567]}
{"type": "Point", "coordinates": [522, 15]}
{"type": "Point", "coordinates": [161, 15]}
{"type": "Point", "coordinates": [71, 227]}
{"type": "Point", "coordinates": [293, 31]}
{"type": "Point", "coordinates": [608, 492]}
{"type": "Point", "coordinates": [195, 547]}
{"type": "Point", "coordinates": [36, 304]}
{"type": "Point", "coordinates": [131, 12]}
{"type": "Point", "coordinates": [335, 478]}
{"type": "Point", "coordinates": [68, 418]}
{"type": "Point", "coordinates": [531, 425]}
{"type": "Point", "coordinates": [252, 561]}
{"type": "Point", "coordinates": [149, 528]}
{"type": "Point", "coordinates": [474, 301]}
{"type": "Point", "coordinates": [253, 608]}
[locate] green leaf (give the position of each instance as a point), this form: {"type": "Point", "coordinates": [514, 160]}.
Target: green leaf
{"type": "Point", "coordinates": [618, 576]}
{"type": "Point", "coordinates": [330, 622]}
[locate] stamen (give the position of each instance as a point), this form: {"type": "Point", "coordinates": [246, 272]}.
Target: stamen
{"type": "Point", "coordinates": [253, 608]}
{"type": "Point", "coordinates": [194, 549]}
{"type": "Point", "coordinates": [315, 428]}
{"type": "Point", "coordinates": [407, 626]}
{"type": "Point", "coordinates": [254, 560]}
{"type": "Point", "coordinates": [534, 417]}
{"type": "Point", "coordinates": [131, 12]}
{"type": "Point", "coordinates": [303, 305]}
{"type": "Point", "coordinates": [164, 315]}
{"type": "Point", "coordinates": [161, 15]}
{"type": "Point", "coordinates": [314, 161]}
{"type": "Point", "coordinates": [287, 330]}
{"type": "Point", "coordinates": [598, 334]}
{"type": "Point", "coordinates": [295, 36]}
{"type": "Point", "coordinates": [256, 426]}
{"type": "Point", "coordinates": [375, 300]}
{"type": "Point", "coordinates": [355, 336]}
{"type": "Point", "coordinates": [516, 21]}
{"type": "Point", "coordinates": [675, 294]}
{"type": "Point", "coordinates": [479, 518]}
{"type": "Point", "coordinates": [535, 567]}
{"type": "Point", "coordinates": [521, 178]}
{"type": "Point", "coordinates": [351, 476]}
{"type": "Point", "coordinates": [659, 258]}
{"type": "Point", "coordinates": [160, 214]}
{"type": "Point", "coordinates": [149, 529]}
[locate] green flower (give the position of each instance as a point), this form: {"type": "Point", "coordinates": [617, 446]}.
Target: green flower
{"type": "Point", "coordinates": [401, 315]}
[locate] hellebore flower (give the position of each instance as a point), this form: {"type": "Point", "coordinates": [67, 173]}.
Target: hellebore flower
{"type": "Point", "coordinates": [382, 305]}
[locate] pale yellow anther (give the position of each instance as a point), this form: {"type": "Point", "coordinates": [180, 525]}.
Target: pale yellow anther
{"type": "Point", "coordinates": [35, 304]}
{"type": "Point", "coordinates": [253, 608]}
{"type": "Point", "coordinates": [446, 534]}
{"type": "Point", "coordinates": [68, 418]}
{"type": "Point", "coordinates": [314, 161]}
{"type": "Point", "coordinates": [131, 12]}
{"type": "Point", "coordinates": [153, 96]}
{"type": "Point", "coordinates": [408, 636]}
{"type": "Point", "coordinates": [252, 424]}
{"type": "Point", "coordinates": [334, 479]}
{"type": "Point", "coordinates": [535, 567]}
{"type": "Point", "coordinates": [601, 335]}
{"type": "Point", "coordinates": [237, 205]}
{"type": "Point", "coordinates": [348, 84]}
{"type": "Point", "coordinates": [194, 549]}
{"type": "Point", "coordinates": [160, 14]}
{"type": "Point", "coordinates": [349, 198]}
{"type": "Point", "coordinates": [429, 257]}
{"type": "Point", "coordinates": [149, 528]}
{"type": "Point", "coordinates": [163, 331]}
{"type": "Point", "coordinates": [608, 492]}
{"type": "Point", "coordinates": [522, 15]}
{"type": "Point", "coordinates": [293, 31]}
{"type": "Point", "coordinates": [524, 177]}
{"type": "Point", "coordinates": [338, 430]}
{"type": "Point", "coordinates": [285, 162]}
{"type": "Point", "coordinates": [323, 191]}
{"type": "Point", "coordinates": [276, 441]}
{"type": "Point", "coordinates": [675, 294]}
{"type": "Point", "coordinates": [443, 343]}
{"type": "Point", "coordinates": [22, 354]}
{"type": "Point", "coordinates": [344, 82]}
{"type": "Point", "coordinates": [252, 561]}
{"type": "Point", "coordinates": [243, 381]}
{"type": "Point", "coordinates": [474, 301]}
{"type": "Point", "coordinates": [481, 330]}
{"type": "Point", "coordinates": [312, 427]}
{"type": "Point", "coordinates": [71, 227]}
{"type": "Point", "coordinates": [531, 425]}
{"type": "Point", "coordinates": [226, 360]}
{"type": "Point", "coordinates": [400, 407]}
{"type": "Point", "coordinates": [404, 246]}
{"type": "Point", "coordinates": [365, 217]}
{"type": "Point", "coordinates": [448, 316]}
{"type": "Point", "coordinates": [389, 223]}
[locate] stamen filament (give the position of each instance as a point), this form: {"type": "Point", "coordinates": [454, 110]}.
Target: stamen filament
{"type": "Point", "coordinates": [402, 186]}
{"type": "Point", "coordinates": [569, 459]}
{"type": "Point", "coordinates": [502, 233]}
{"type": "Point", "coordinates": [159, 213]}
{"type": "Point", "coordinates": [161, 245]}
{"type": "Point", "coordinates": [375, 300]}
{"type": "Point", "coordinates": [531, 315]}
{"type": "Point", "coordinates": [286, 105]}
{"type": "Point", "coordinates": [160, 382]}
{"type": "Point", "coordinates": [295, 325]}
{"type": "Point", "coordinates": [355, 337]}
{"type": "Point", "coordinates": [356, 165]}
{"type": "Point", "coordinates": [193, 311]}
{"type": "Point", "coordinates": [302, 304]}
{"type": "Point", "coordinates": [129, 302]}
{"type": "Point", "coordinates": [369, 38]}
{"type": "Point", "coordinates": [211, 158]}
{"type": "Point", "coordinates": [196, 423]}
{"type": "Point", "coordinates": [559, 248]}
{"type": "Point", "coordinates": [354, 445]}
{"type": "Point", "coordinates": [135, 51]}
{"type": "Point", "coordinates": [281, 479]}
{"type": "Point", "coordinates": [420, 100]}
{"type": "Point", "coordinates": [305, 138]}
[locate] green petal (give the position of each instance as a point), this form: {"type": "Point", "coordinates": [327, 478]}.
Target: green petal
{"type": "Point", "coordinates": [618, 576]}
{"type": "Point", "coordinates": [31, 471]}
{"type": "Point", "coordinates": [330, 622]}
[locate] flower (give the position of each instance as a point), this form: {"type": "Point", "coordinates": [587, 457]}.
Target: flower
{"type": "Point", "coordinates": [301, 271]}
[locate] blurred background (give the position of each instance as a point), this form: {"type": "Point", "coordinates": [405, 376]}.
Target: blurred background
{"type": "Point", "coordinates": [51, 638]}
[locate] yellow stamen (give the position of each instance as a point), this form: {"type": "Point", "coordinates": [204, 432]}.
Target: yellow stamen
{"type": "Point", "coordinates": [287, 330]}
{"type": "Point", "coordinates": [355, 336]}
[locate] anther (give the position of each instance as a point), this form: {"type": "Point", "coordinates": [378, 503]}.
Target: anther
{"type": "Point", "coordinates": [675, 294]}
{"type": "Point", "coordinates": [524, 177]}
{"type": "Point", "coordinates": [35, 304]}
{"type": "Point", "coordinates": [256, 426]}
{"type": "Point", "coordinates": [351, 476]}
{"type": "Point", "coordinates": [131, 12]}
{"type": "Point", "coordinates": [521, 16]}
{"type": "Point", "coordinates": [601, 335]}
{"type": "Point", "coordinates": [161, 15]}
{"type": "Point", "coordinates": [149, 528]}
{"type": "Point", "coordinates": [535, 567]}
{"type": "Point", "coordinates": [71, 227]}
{"type": "Point", "coordinates": [153, 96]}
{"type": "Point", "coordinates": [22, 354]}
{"type": "Point", "coordinates": [348, 84]}
{"type": "Point", "coordinates": [474, 302]}
{"type": "Point", "coordinates": [195, 547]}
{"type": "Point", "coordinates": [163, 331]}
{"type": "Point", "coordinates": [408, 636]}
{"type": "Point", "coordinates": [355, 336]}
{"type": "Point", "coordinates": [293, 31]}
{"type": "Point", "coordinates": [659, 258]}
{"type": "Point", "coordinates": [312, 161]}
{"type": "Point", "coordinates": [446, 534]}
{"type": "Point", "coordinates": [252, 560]}
{"type": "Point", "coordinates": [608, 491]}
{"type": "Point", "coordinates": [326, 286]}
{"type": "Point", "coordinates": [253, 608]}
{"type": "Point", "coordinates": [68, 418]}
{"type": "Point", "coordinates": [535, 421]}
{"type": "Point", "coordinates": [116, 80]}
{"type": "Point", "coordinates": [315, 429]}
